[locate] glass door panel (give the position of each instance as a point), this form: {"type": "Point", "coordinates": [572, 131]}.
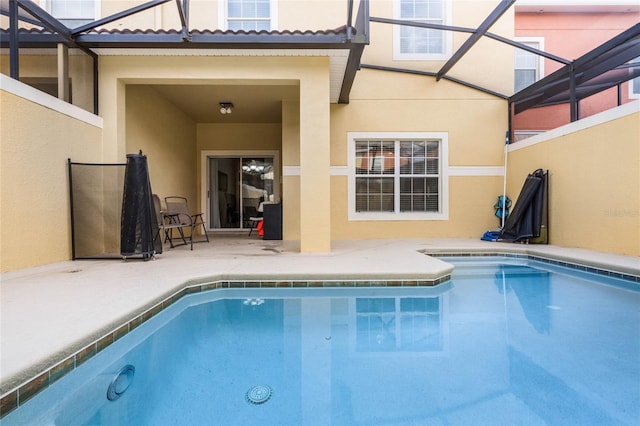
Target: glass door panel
{"type": "Point", "coordinates": [257, 186]}
{"type": "Point", "coordinates": [224, 193]}
{"type": "Point", "coordinates": [237, 186]}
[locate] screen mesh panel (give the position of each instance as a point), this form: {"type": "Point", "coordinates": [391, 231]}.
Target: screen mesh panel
{"type": "Point", "coordinates": [96, 192]}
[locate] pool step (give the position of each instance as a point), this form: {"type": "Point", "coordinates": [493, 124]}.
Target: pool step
{"type": "Point", "coordinates": [469, 267]}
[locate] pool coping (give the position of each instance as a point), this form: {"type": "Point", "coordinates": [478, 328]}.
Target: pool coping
{"type": "Point", "coordinates": [41, 378]}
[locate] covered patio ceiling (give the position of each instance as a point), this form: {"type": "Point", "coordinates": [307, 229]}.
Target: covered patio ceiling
{"type": "Point", "coordinates": [606, 66]}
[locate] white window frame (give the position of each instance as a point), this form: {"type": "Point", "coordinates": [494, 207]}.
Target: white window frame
{"type": "Point", "coordinates": [632, 93]}
{"type": "Point", "coordinates": [539, 59]}
{"type": "Point", "coordinates": [447, 38]}
{"type": "Point", "coordinates": [223, 11]}
{"type": "Point", "coordinates": [48, 6]}
{"type": "Point", "coordinates": [443, 214]}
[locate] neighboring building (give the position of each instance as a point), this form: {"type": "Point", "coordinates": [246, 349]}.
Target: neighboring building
{"type": "Point", "coordinates": [362, 128]}
{"type": "Point", "coordinates": [567, 29]}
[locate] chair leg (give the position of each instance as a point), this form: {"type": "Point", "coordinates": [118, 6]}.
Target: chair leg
{"type": "Point", "coordinates": [199, 221]}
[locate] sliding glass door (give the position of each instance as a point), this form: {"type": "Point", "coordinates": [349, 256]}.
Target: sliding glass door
{"type": "Point", "coordinates": [236, 187]}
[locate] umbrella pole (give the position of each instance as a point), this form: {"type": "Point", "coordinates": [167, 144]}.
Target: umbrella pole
{"type": "Point", "coordinates": [504, 182]}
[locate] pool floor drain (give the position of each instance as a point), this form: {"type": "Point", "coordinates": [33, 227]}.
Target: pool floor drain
{"type": "Point", "coordinates": [259, 394]}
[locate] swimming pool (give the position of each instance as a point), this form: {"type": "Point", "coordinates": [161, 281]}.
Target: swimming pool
{"type": "Point", "coordinates": [506, 341]}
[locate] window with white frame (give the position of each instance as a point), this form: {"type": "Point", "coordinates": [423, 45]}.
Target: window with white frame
{"type": "Point", "coordinates": [398, 176]}
{"type": "Point", "coordinates": [74, 13]}
{"type": "Point", "coordinates": [528, 66]}
{"type": "Point", "coordinates": [249, 15]}
{"type": "Point", "coordinates": [416, 43]}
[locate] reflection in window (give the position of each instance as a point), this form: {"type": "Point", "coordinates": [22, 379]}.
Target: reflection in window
{"type": "Point", "coordinates": [73, 13]}
{"type": "Point", "coordinates": [527, 67]}
{"type": "Point", "coordinates": [411, 324]}
{"type": "Point", "coordinates": [249, 15]}
{"type": "Point", "coordinates": [422, 41]}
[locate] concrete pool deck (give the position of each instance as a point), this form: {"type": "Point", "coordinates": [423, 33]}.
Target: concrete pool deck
{"type": "Point", "coordinates": [50, 312]}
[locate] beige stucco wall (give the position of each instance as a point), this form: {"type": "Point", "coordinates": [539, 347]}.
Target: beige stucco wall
{"type": "Point", "coordinates": [205, 14]}
{"type": "Point", "coordinates": [34, 203]}
{"type": "Point", "coordinates": [594, 180]}
{"type": "Point", "coordinates": [235, 138]}
{"type": "Point", "coordinates": [290, 160]}
{"type": "Point", "coordinates": [167, 137]}
{"type": "Point", "coordinates": [488, 63]}
{"type": "Point", "coordinates": [43, 63]}
{"type": "Point", "coordinates": [310, 73]}
{"type": "Point", "coordinates": [475, 124]}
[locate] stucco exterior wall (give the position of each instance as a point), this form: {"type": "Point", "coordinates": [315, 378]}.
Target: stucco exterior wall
{"type": "Point", "coordinates": [205, 14]}
{"type": "Point", "coordinates": [594, 180]}
{"type": "Point", "coordinates": [43, 64]}
{"type": "Point", "coordinates": [569, 36]}
{"type": "Point", "coordinates": [238, 138]}
{"type": "Point", "coordinates": [310, 73]}
{"type": "Point", "coordinates": [488, 64]}
{"type": "Point", "coordinates": [36, 143]}
{"type": "Point", "coordinates": [167, 137]}
{"type": "Point", "coordinates": [475, 124]}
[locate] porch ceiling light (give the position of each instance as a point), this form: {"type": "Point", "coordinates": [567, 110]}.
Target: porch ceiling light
{"type": "Point", "coordinates": [226, 107]}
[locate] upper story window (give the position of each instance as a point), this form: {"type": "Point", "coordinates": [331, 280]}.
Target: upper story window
{"type": "Point", "coordinates": [415, 43]}
{"type": "Point", "coordinates": [73, 13]}
{"type": "Point", "coordinates": [528, 66]}
{"type": "Point", "coordinates": [398, 176]}
{"type": "Point", "coordinates": [249, 15]}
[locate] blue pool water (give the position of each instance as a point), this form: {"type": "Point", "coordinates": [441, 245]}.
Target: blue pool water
{"type": "Point", "coordinates": [507, 341]}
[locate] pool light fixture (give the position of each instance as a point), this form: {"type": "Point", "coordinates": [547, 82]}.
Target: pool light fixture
{"type": "Point", "coordinates": [121, 382]}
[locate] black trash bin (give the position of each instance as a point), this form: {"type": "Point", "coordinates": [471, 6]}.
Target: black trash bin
{"type": "Point", "coordinates": [272, 221]}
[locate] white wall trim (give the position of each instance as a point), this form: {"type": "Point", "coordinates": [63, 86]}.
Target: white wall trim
{"type": "Point", "coordinates": [290, 170]}
{"type": "Point", "coordinates": [339, 171]}
{"type": "Point", "coordinates": [34, 95]}
{"type": "Point", "coordinates": [476, 171]}
{"type": "Point", "coordinates": [585, 123]}
{"type": "Point", "coordinates": [333, 171]}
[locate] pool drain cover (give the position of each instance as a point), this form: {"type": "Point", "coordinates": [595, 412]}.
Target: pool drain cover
{"type": "Point", "coordinates": [259, 394]}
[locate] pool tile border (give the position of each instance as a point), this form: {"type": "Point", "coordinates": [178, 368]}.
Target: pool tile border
{"type": "Point", "coordinates": [22, 393]}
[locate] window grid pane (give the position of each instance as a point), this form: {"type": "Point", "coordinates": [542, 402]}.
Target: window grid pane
{"type": "Point", "coordinates": [374, 194]}
{"type": "Point", "coordinates": [526, 67]}
{"type": "Point", "coordinates": [72, 9]}
{"type": "Point", "coordinates": [417, 178]}
{"type": "Point", "coordinates": [248, 15]}
{"type": "Point", "coordinates": [419, 194]}
{"type": "Point", "coordinates": [415, 40]}
{"type": "Point", "coordinates": [375, 158]}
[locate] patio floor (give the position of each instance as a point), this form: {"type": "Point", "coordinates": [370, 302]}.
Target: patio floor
{"type": "Point", "coordinates": [52, 311]}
